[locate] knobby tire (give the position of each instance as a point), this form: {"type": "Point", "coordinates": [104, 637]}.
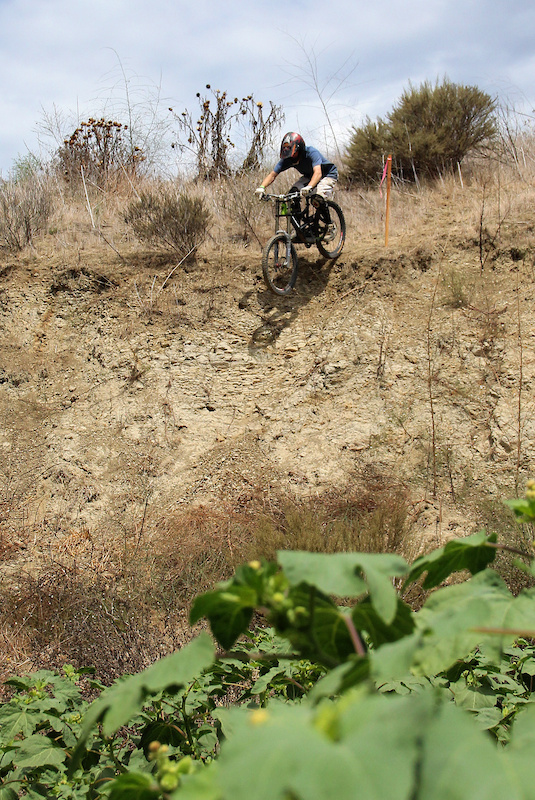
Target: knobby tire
{"type": "Point", "coordinates": [280, 273]}
{"type": "Point", "coordinates": [330, 213]}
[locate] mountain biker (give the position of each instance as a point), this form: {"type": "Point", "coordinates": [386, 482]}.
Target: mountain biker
{"type": "Point", "coordinates": [318, 175]}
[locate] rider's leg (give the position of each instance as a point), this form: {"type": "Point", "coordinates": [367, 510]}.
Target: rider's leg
{"type": "Point", "coordinates": [298, 185]}
{"type": "Point", "coordinates": [324, 190]}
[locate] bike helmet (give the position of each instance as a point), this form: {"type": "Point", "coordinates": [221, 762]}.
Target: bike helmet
{"type": "Point", "coordinates": [292, 146]}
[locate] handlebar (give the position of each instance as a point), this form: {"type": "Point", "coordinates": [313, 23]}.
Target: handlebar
{"type": "Point", "coordinates": [291, 196]}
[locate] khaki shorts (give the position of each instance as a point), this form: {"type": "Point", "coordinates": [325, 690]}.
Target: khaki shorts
{"type": "Point", "coordinates": [325, 187]}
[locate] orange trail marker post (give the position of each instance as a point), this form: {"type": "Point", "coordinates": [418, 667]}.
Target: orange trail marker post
{"type": "Point", "coordinates": [388, 182]}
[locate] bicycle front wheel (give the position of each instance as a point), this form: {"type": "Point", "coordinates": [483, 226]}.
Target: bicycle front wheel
{"type": "Point", "coordinates": [279, 264]}
{"type": "Point", "coordinates": [330, 229]}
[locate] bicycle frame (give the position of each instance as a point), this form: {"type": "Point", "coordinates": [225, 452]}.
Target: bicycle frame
{"type": "Point", "coordinates": [283, 211]}
{"type": "Point", "coordinates": [313, 225]}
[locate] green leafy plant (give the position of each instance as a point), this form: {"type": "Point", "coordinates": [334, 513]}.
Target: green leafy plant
{"type": "Point", "coordinates": [25, 167]}
{"type": "Point", "coordinates": [324, 675]}
{"type": "Point", "coordinates": [524, 507]}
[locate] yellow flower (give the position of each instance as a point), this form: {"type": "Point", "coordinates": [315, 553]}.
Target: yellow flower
{"type": "Point", "coordinates": [259, 717]}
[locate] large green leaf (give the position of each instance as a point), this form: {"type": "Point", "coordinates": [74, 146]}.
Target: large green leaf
{"type": "Point", "coordinates": [279, 752]}
{"type": "Point", "coordinates": [471, 553]}
{"type": "Point", "coordinates": [134, 786]}
{"type": "Point", "coordinates": [8, 792]}
{"type": "Point", "coordinates": [478, 612]}
{"type": "Point", "coordinates": [372, 747]}
{"type": "Point", "coordinates": [366, 618]}
{"type": "Point", "coordinates": [322, 634]}
{"type": "Point", "coordinates": [229, 611]}
{"type": "Point", "coordinates": [460, 761]}
{"type": "Point", "coordinates": [472, 698]}
{"type": "Point", "coordinates": [124, 699]}
{"type": "Point", "coordinates": [316, 628]}
{"type": "Point", "coordinates": [348, 575]}
{"type": "Point", "coordinates": [18, 719]}
{"type": "Point", "coordinates": [519, 753]}
{"type": "Point", "coordinates": [264, 681]}
{"type": "Point", "coordinates": [523, 508]}
{"type": "Point", "coordinates": [202, 785]}
{"type": "Point", "coordinates": [330, 635]}
{"type": "Point", "coordinates": [393, 660]}
{"type": "Point", "coordinates": [338, 680]}
{"type": "Point", "coordinates": [364, 746]}
{"type": "Point", "coordinates": [488, 718]}
{"type": "Point", "coordinates": [369, 746]}
{"type": "Point", "coordinates": [382, 731]}
{"type": "Point", "coordinates": [38, 751]}
{"type": "Point", "coordinates": [523, 735]}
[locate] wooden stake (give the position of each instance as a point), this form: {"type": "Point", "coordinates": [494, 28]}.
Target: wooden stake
{"type": "Point", "coordinates": [388, 182]}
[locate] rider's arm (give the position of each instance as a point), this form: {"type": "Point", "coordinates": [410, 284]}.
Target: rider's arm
{"type": "Point", "coordinates": [269, 179]}
{"type": "Point", "coordinates": [316, 176]}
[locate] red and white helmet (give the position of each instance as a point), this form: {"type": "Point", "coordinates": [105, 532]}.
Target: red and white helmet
{"type": "Point", "coordinates": [292, 146]}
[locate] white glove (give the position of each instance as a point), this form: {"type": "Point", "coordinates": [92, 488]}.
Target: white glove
{"type": "Point", "coordinates": [306, 190]}
{"type": "Point", "coordinates": [260, 192]}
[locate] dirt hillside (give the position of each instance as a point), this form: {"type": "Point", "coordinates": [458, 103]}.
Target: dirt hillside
{"type": "Point", "coordinates": [122, 401]}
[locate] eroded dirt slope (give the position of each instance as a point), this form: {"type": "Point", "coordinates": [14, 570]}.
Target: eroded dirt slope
{"type": "Point", "coordinates": [121, 401]}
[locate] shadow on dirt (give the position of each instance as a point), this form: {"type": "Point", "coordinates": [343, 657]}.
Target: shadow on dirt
{"type": "Point", "coordinates": [279, 312]}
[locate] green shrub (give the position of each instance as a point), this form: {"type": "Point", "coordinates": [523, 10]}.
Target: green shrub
{"type": "Point", "coordinates": [366, 151]}
{"type": "Point", "coordinates": [428, 132]}
{"type": "Point", "coordinates": [175, 220]}
{"type": "Point", "coordinates": [316, 675]}
{"type": "Point", "coordinates": [26, 167]}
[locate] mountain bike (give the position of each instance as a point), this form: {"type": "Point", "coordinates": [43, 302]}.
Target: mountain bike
{"type": "Point", "coordinates": [321, 223]}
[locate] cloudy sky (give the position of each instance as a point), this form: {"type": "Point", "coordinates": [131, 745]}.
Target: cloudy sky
{"type": "Point", "coordinates": [329, 63]}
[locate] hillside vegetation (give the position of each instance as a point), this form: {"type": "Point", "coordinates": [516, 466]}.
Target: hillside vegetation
{"type": "Point", "coordinates": [164, 417]}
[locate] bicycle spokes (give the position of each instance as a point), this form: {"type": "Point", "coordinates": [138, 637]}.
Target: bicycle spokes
{"type": "Point", "coordinates": [330, 229]}
{"type": "Point", "coordinates": [319, 221]}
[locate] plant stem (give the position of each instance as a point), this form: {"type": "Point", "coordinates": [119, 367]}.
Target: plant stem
{"type": "Point", "coordinates": [509, 549]}
{"type": "Point", "coordinates": [355, 637]}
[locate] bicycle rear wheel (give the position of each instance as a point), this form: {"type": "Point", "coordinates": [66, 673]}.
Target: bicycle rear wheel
{"type": "Point", "coordinates": [279, 264]}
{"type": "Point", "coordinates": [330, 229]}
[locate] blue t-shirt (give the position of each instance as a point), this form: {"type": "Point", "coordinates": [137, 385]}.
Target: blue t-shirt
{"type": "Point", "coordinates": [306, 164]}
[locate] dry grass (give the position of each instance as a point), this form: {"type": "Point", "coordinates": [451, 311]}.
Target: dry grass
{"type": "Point", "coordinates": [370, 515]}
{"type": "Point", "coordinates": [119, 604]}
{"type": "Point", "coordinates": [486, 194]}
